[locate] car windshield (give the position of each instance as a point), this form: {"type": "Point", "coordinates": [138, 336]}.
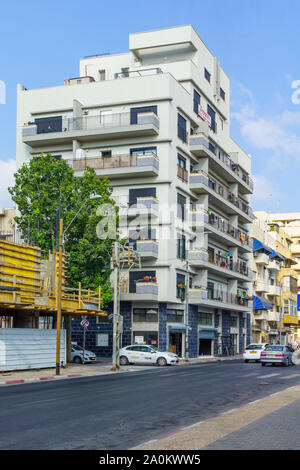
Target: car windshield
{"type": "Point", "coordinates": [254, 346]}
{"type": "Point", "coordinates": [274, 348]}
{"type": "Point", "coordinates": [77, 348]}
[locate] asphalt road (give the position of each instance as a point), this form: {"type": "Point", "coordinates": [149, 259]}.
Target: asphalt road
{"type": "Point", "coordinates": [121, 411]}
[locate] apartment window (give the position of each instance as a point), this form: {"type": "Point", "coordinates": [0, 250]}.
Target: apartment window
{"type": "Point", "coordinates": [212, 114]}
{"type": "Point", "coordinates": [222, 94]}
{"type": "Point", "coordinates": [145, 315]}
{"type": "Point", "coordinates": [45, 323]}
{"type": "Point", "coordinates": [174, 316]}
{"type": "Point", "coordinates": [135, 276]}
{"type": "Point", "coordinates": [196, 101]}
{"type": "Point", "coordinates": [181, 131]}
{"type": "Point", "coordinates": [125, 72]}
{"type": "Point", "coordinates": [134, 112]}
{"type": "Point", "coordinates": [100, 320]}
{"type": "Point", "coordinates": [234, 322]}
{"type": "Point", "coordinates": [6, 321]}
{"type": "Point", "coordinates": [144, 233]}
{"type": "Point", "coordinates": [181, 202]}
{"type": "Point", "coordinates": [144, 151]}
{"type": "Point", "coordinates": [207, 75]}
{"type": "Point", "coordinates": [212, 148]}
{"type": "Point", "coordinates": [181, 161]}
{"type": "Point", "coordinates": [106, 153]}
{"type": "Point", "coordinates": [205, 319]}
{"type": "Point", "coordinates": [49, 124]}
{"type": "Point", "coordinates": [181, 246]}
{"type": "Point", "coordinates": [102, 75]}
{"type": "Point", "coordinates": [180, 286]}
{"type": "Point", "coordinates": [141, 192]}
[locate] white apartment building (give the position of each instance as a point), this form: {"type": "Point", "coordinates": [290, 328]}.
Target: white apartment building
{"type": "Point", "coordinates": [156, 121]}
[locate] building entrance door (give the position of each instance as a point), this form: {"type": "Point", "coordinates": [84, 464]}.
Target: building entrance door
{"type": "Point", "coordinates": [175, 343]}
{"type": "Point", "coordinates": [205, 347]}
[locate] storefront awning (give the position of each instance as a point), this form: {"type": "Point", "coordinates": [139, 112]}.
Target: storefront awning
{"type": "Point", "coordinates": [177, 327]}
{"type": "Point", "coordinates": [207, 333]}
{"type": "Point", "coordinates": [260, 304]}
{"type": "Point", "coordinates": [258, 245]}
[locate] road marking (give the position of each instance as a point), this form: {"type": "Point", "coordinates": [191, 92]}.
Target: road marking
{"type": "Point", "coordinates": [266, 376]}
{"type": "Point", "coordinates": [193, 425]}
{"type": "Point", "coordinates": [144, 444]}
{"type": "Point", "coordinates": [228, 412]}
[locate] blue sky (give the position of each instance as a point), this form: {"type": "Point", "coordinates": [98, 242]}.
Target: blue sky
{"type": "Point", "coordinates": [256, 42]}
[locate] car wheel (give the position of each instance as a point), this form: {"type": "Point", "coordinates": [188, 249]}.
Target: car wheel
{"type": "Point", "coordinates": [77, 360]}
{"type": "Point", "coordinates": [124, 361]}
{"type": "Point", "coordinates": [161, 361]}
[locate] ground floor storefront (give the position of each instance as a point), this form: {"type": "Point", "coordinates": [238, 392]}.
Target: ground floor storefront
{"type": "Point", "coordinates": [214, 332]}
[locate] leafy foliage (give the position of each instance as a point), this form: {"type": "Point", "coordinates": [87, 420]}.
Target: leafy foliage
{"type": "Point", "coordinates": [39, 186]}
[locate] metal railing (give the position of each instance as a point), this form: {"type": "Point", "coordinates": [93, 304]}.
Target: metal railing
{"type": "Point", "coordinates": [114, 161]}
{"type": "Point", "coordinates": [138, 73]}
{"type": "Point", "coordinates": [182, 174]}
{"type": "Point", "coordinates": [224, 226]}
{"type": "Point", "coordinates": [224, 192]}
{"type": "Point", "coordinates": [227, 262]}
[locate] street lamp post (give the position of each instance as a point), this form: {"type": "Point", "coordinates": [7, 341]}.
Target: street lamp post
{"type": "Point", "coordinates": [59, 282]}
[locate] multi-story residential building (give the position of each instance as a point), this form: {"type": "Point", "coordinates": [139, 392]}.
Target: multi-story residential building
{"type": "Point", "coordinates": [286, 277]}
{"type": "Point", "coordinates": [156, 122]}
{"type": "Point", "coordinates": [7, 225]}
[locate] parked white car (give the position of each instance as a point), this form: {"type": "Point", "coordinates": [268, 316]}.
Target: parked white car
{"type": "Point", "coordinates": [253, 351]}
{"type": "Point", "coordinates": [144, 354]}
{"type": "Point", "coordinates": [77, 355]}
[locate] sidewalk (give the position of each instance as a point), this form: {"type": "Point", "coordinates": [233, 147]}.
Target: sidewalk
{"type": "Point", "coordinates": [101, 367]}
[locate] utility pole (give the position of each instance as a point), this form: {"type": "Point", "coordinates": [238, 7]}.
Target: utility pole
{"type": "Point", "coordinates": [186, 310]}
{"type": "Point", "coordinates": [59, 287]}
{"type": "Point", "coordinates": [115, 355]}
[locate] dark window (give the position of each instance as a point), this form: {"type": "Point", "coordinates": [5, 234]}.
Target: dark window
{"type": "Point", "coordinates": [49, 124]}
{"type": "Point", "coordinates": [175, 316]}
{"type": "Point", "coordinates": [144, 151]}
{"type": "Point", "coordinates": [148, 315]}
{"type": "Point", "coordinates": [182, 133]}
{"type": "Point", "coordinates": [180, 286]}
{"type": "Point", "coordinates": [181, 201]}
{"type": "Point", "coordinates": [135, 276]}
{"type": "Point", "coordinates": [181, 161]}
{"type": "Point", "coordinates": [125, 72]}
{"type": "Point", "coordinates": [142, 192]}
{"type": "Point", "coordinates": [212, 114]}
{"type": "Point", "coordinates": [207, 75]}
{"type": "Point", "coordinates": [222, 94]}
{"type": "Point", "coordinates": [210, 290]}
{"type": "Point", "coordinates": [181, 244]}
{"type": "Point", "coordinates": [135, 111]}
{"type": "Point", "coordinates": [144, 233]}
{"type": "Point", "coordinates": [212, 148]}
{"type": "Point", "coordinates": [196, 101]}
{"type": "Point", "coordinates": [106, 153]}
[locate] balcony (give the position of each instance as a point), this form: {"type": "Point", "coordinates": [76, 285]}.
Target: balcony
{"type": "Point", "coordinates": [147, 248]}
{"type": "Point", "coordinates": [261, 258]}
{"type": "Point", "coordinates": [273, 316]}
{"type": "Point", "coordinates": [224, 266]}
{"type": "Point", "coordinates": [200, 182]}
{"type": "Point", "coordinates": [144, 290]}
{"type": "Point", "coordinates": [91, 128]}
{"type": "Point", "coordinates": [274, 290]}
{"type": "Point", "coordinates": [202, 146]}
{"type": "Point", "coordinates": [261, 286]}
{"type": "Point", "coordinates": [224, 300]}
{"type": "Point", "coordinates": [145, 207]}
{"type": "Point", "coordinates": [119, 166]}
{"type": "Point", "coordinates": [275, 265]}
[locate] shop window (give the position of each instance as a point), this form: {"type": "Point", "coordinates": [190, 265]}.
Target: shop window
{"type": "Point", "coordinates": [149, 315]}
{"type": "Point", "coordinates": [205, 319]}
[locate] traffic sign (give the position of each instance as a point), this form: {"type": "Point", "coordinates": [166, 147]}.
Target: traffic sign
{"type": "Point", "coordinates": [84, 323]}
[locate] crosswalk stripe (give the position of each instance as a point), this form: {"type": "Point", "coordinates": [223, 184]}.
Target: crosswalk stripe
{"type": "Point", "coordinates": [266, 376]}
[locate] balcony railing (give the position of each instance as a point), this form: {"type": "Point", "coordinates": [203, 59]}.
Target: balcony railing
{"type": "Point", "coordinates": [224, 158]}
{"type": "Point", "coordinates": [114, 161]}
{"type": "Point", "coordinates": [229, 298]}
{"type": "Point", "coordinates": [138, 73]}
{"type": "Point", "coordinates": [182, 174]}
{"type": "Point", "coordinates": [238, 266]}
{"type": "Point", "coordinates": [218, 188]}
{"type": "Point", "coordinates": [224, 226]}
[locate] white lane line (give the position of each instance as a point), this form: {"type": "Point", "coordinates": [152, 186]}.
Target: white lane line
{"type": "Point", "coordinates": [266, 376]}
{"type": "Point", "coordinates": [144, 444]}
{"type": "Point", "coordinates": [230, 411]}
{"type": "Point", "coordinates": [193, 425]}
{"type": "Point", "coordinates": [255, 401]}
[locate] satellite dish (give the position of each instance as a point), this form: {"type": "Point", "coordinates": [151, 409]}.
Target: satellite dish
{"type": "Point", "coordinates": [296, 357]}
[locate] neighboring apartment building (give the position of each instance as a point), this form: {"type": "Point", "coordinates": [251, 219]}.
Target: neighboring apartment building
{"type": "Point", "coordinates": [156, 121]}
{"type": "Point", "coordinates": [7, 225]}
{"type": "Point", "coordinates": [285, 286]}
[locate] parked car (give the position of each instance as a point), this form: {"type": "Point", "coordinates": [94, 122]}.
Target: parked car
{"type": "Point", "coordinates": [77, 355]}
{"type": "Point", "coordinates": [253, 351]}
{"type": "Point", "coordinates": [144, 354]}
{"type": "Point", "coordinates": [277, 354]}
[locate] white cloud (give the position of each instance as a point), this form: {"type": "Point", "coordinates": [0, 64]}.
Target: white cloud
{"type": "Point", "coordinates": [7, 170]}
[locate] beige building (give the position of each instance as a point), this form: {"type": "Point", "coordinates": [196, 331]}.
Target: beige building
{"type": "Point", "coordinates": [7, 224]}
{"type": "Point", "coordinates": [281, 286]}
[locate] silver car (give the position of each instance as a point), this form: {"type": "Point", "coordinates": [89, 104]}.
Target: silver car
{"type": "Point", "coordinates": [78, 357]}
{"type": "Point", "coordinates": [277, 354]}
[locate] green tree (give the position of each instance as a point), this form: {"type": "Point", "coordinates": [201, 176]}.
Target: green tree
{"type": "Point", "coordinates": [39, 186]}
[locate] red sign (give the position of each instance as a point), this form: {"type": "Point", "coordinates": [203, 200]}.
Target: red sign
{"type": "Point", "coordinates": [206, 117]}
